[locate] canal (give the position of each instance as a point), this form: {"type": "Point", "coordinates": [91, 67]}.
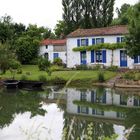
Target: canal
{"type": "Point", "coordinates": [69, 113]}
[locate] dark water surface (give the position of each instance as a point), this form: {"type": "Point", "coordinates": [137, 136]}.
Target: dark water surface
{"type": "Point", "coordinates": [57, 113]}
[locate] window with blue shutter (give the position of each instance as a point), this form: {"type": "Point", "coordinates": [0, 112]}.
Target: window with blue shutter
{"type": "Point", "coordinates": [136, 59]}
{"type": "Point", "coordinates": [102, 40]}
{"type": "Point", "coordinates": [92, 56]}
{"type": "Point", "coordinates": [55, 55]}
{"type": "Point", "coordinates": [78, 109]}
{"type": "Point", "coordinates": [104, 56]}
{"type": "Point", "coordinates": [118, 39]}
{"type": "Point", "coordinates": [86, 42]}
{"type": "Point", "coordinates": [78, 42]}
{"type": "Point", "coordinates": [93, 41]}
{"type": "Point", "coordinates": [92, 96]}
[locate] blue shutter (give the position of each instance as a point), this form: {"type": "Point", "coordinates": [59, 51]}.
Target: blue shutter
{"type": "Point", "coordinates": [136, 59]}
{"type": "Point", "coordinates": [104, 97]}
{"type": "Point", "coordinates": [93, 111]}
{"type": "Point", "coordinates": [78, 109]}
{"type": "Point", "coordinates": [118, 39]}
{"type": "Point", "coordinates": [78, 42]}
{"type": "Point", "coordinates": [86, 42]}
{"type": "Point", "coordinates": [93, 41]}
{"type": "Point", "coordinates": [92, 96]}
{"type": "Point", "coordinates": [86, 110]}
{"type": "Point", "coordinates": [102, 40]}
{"type": "Point", "coordinates": [92, 56]}
{"type": "Point", "coordinates": [104, 56]}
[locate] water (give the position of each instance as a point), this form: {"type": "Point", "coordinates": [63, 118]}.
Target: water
{"type": "Point", "coordinates": [56, 112]}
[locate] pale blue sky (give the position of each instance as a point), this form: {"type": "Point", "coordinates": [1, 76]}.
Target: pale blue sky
{"type": "Point", "coordinates": [41, 12]}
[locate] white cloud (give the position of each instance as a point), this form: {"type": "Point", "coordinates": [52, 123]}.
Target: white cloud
{"type": "Point", "coordinates": [40, 12]}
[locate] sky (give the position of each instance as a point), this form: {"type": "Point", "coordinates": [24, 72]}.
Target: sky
{"type": "Point", "coordinates": [41, 12]}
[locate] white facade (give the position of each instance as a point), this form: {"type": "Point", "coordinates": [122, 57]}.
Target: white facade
{"type": "Point", "coordinates": [50, 50]}
{"type": "Point", "coordinates": [73, 58]}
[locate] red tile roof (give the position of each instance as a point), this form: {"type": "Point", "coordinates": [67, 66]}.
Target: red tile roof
{"type": "Point", "coordinates": [53, 42]}
{"type": "Point", "coordinates": [112, 30]}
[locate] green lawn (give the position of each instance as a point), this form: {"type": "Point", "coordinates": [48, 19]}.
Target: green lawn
{"type": "Point", "coordinates": [66, 75]}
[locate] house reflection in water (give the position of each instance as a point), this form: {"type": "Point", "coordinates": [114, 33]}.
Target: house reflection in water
{"type": "Point", "coordinates": [105, 103]}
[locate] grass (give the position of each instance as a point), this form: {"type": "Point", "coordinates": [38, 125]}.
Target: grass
{"type": "Point", "coordinates": [33, 73]}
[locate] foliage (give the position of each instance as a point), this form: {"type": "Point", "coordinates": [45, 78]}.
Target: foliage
{"type": "Point", "coordinates": [42, 78]}
{"type": "Point", "coordinates": [5, 57]}
{"type": "Point", "coordinates": [110, 46]}
{"type": "Point", "coordinates": [43, 64]}
{"type": "Point", "coordinates": [85, 14]}
{"type": "Point", "coordinates": [113, 68]}
{"type": "Point", "coordinates": [123, 15]}
{"type": "Point", "coordinates": [58, 61]}
{"type": "Point", "coordinates": [132, 75]}
{"type": "Point", "coordinates": [23, 77]}
{"type": "Point", "coordinates": [133, 39]}
{"type": "Point", "coordinates": [101, 77]}
{"type": "Point", "coordinates": [82, 67]}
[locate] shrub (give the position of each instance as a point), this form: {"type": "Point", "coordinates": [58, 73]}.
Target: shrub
{"type": "Point", "coordinates": [42, 78]}
{"type": "Point", "coordinates": [14, 64]}
{"type": "Point", "coordinates": [58, 61]}
{"type": "Point", "coordinates": [101, 77]}
{"type": "Point", "coordinates": [23, 77]}
{"type": "Point", "coordinates": [43, 64]}
{"type": "Point", "coordinates": [19, 71]}
{"type": "Point", "coordinates": [129, 76]}
{"type": "Point", "coordinates": [81, 67]}
{"type": "Point", "coordinates": [113, 68]}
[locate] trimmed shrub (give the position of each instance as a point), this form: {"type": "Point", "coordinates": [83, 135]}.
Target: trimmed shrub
{"type": "Point", "coordinates": [58, 61]}
{"type": "Point", "coordinates": [42, 78]}
{"type": "Point", "coordinates": [23, 77]}
{"type": "Point", "coordinates": [43, 64]}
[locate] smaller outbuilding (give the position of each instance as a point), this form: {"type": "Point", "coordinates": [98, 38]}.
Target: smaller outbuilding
{"type": "Point", "coordinates": [52, 49]}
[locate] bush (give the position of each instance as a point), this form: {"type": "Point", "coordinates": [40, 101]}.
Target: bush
{"type": "Point", "coordinates": [14, 64]}
{"type": "Point", "coordinates": [58, 61]}
{"type": "Point", "coordinates": [23, 77]}
{"type": "Point", "coordinates": [101, 77]}
{"type": "Point", "coordinates": [42, 78]}
{"type": "Point", "coordinates": [82, 67]}
{"type": "Point", "coordinates": [113, 68]}
{"type": "Point", "coordinates": [129, 76]}
{"type": "Point", "coordinates": [19, 71]}
{"type": "Point", "coordinates": [43, 64]}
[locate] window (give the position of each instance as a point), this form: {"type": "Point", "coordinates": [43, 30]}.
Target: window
{"type": "Point", "coordinates": [83, 109]}
{"type": "Point", "coordinates": [123, 100]}
{"type": "Point", "coordinates": [120, 39]}
{"type": "Point", "coordinates": [46, 55]}
{"type": "Point", "coordinates": [123, 55]}
{"type": "Point", "coordinates": [83, 42]}
{"type": "Point", "coordinates": [83, 96]}
{"type": "Point", "coordinates": [121, 115]}
{"type": "Point", "coordinates": [99, 112]}
{"type": "Point", "coordinates": [99, 40]}
{"type": "Point", "coordinates": [46, 46]}
{"type": "Point", "coordinates": [98, 56]}
{"type": "Point", "coordinates": [55, 55]}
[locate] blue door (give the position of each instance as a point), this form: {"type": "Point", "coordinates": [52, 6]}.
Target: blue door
{"type": "Point", "coordinates": [123, 58]}
{"type": "Point", "coordinates": [83, 58]}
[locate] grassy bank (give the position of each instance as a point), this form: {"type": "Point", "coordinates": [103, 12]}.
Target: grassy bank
{"type": "Point", "coordinates": [31, 72]}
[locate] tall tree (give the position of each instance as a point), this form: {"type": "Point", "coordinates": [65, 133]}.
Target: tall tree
{"type": "Point", "coordinates": [133, 39]}
{"type": "Point", "coordinates": [123, 15]}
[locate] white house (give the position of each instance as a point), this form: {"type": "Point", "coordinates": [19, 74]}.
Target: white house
{"type": "Point", "coordinates": [88, 37]}
{"type": "Point", "coordinates": [52, 49]}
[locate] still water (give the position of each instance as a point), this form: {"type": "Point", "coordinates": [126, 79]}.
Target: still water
{"type": "Point", "coordinates": [57, 113]}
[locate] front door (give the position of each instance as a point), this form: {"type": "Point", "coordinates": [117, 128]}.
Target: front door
{"type": "Point", "coordinates": [123, 58]}
{"type": "Point", "coordinates": [83, 57]}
